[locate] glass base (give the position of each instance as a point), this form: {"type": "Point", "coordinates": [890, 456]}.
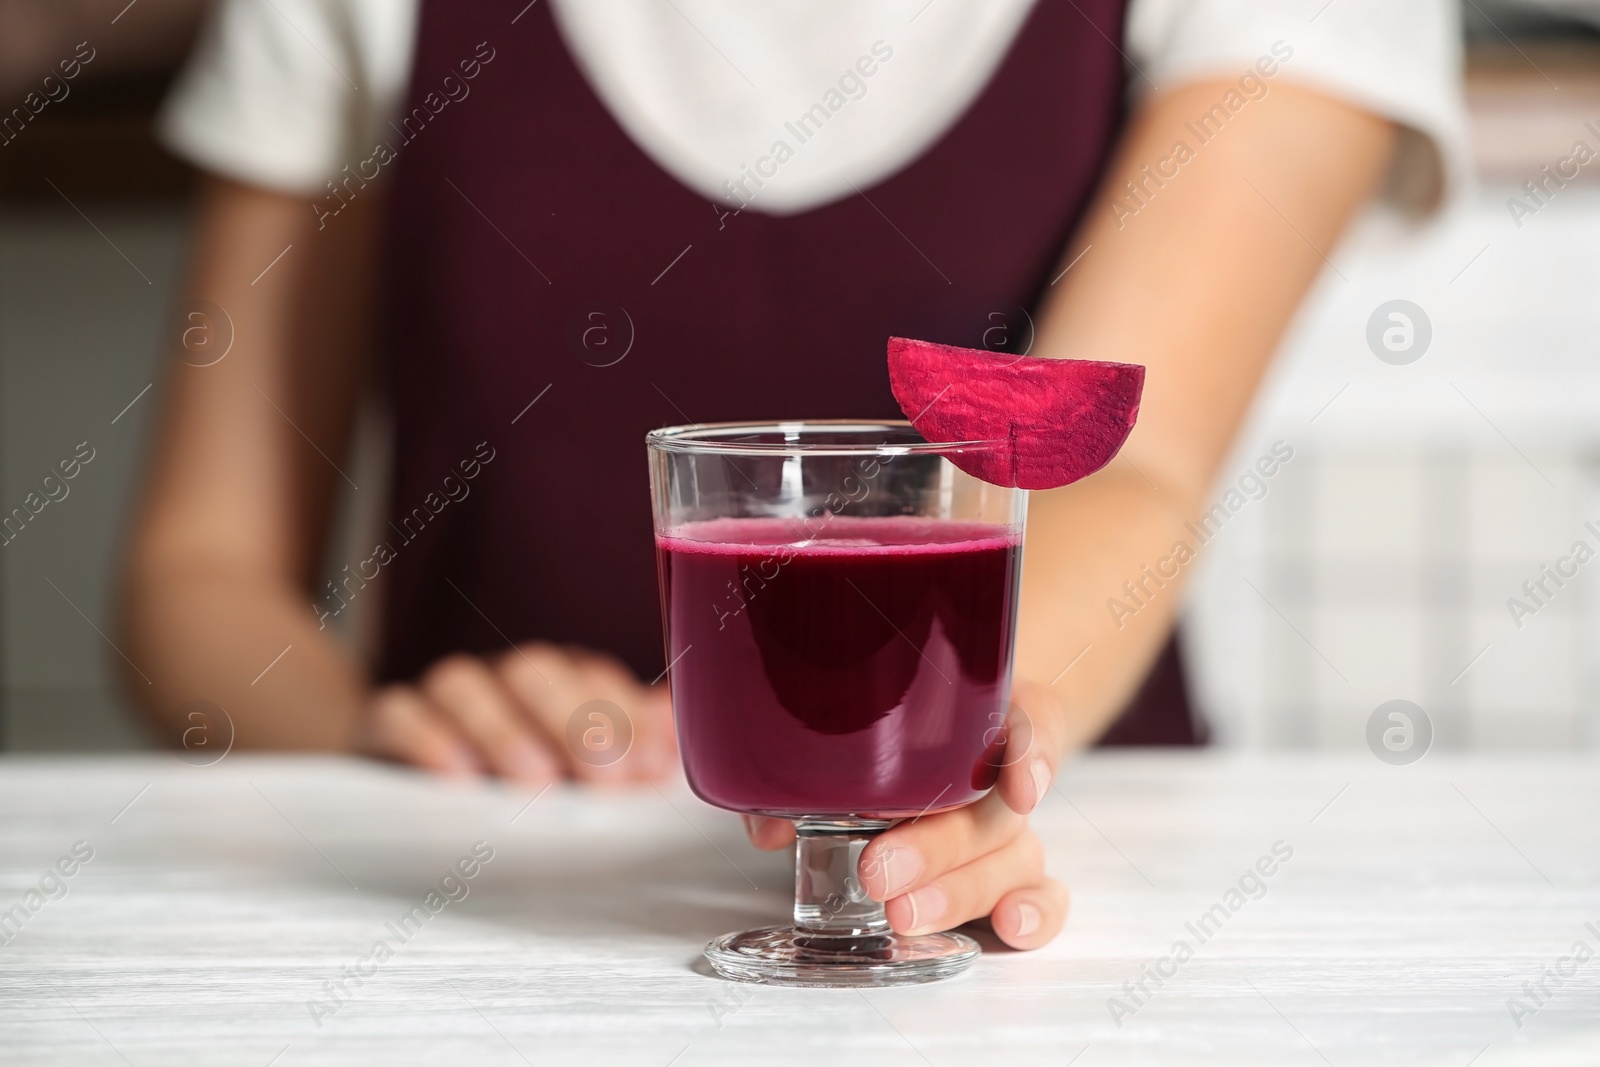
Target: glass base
{"type": "Point", "coordinates": [786, 955]}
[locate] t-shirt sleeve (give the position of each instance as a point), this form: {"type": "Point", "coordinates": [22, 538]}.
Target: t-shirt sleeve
{"type": "Point", "coordinates": [268, 96]}
{"type": "Point", "coordinates": [1398, 58]}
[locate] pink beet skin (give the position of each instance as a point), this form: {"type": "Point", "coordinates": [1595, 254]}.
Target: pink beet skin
{"type": "Point", "coordinates": [1063, 419]}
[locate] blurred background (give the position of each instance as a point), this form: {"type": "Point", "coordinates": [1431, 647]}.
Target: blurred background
{"type": "Point", "coordinates": [1420, 497]}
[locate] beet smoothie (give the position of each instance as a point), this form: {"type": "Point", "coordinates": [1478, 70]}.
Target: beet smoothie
{"type": "Point", "coordinates": [847, 666]}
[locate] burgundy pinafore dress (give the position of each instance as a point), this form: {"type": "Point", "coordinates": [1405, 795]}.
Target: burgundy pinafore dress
{"type": "Point", "coordinates": [537, 256]}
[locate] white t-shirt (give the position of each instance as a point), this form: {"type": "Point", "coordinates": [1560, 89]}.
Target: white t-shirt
{"type": "Point", "coordinates": [285, 93]}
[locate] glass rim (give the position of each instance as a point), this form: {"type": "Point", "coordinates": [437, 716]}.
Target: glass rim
{"type": "Point", "coordinates": [706, 438]}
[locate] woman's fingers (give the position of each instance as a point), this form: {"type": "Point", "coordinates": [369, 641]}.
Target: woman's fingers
{"type": "Point", "coordinates": [973, 891]}
{"type": "Point", "coordinates": [655, 739]}
{"type": "Point", "coordinates": [982, 860]}
{"type": "Point", "coordinates": [768, 834]}
{"type": "Point", "coordinates": [535, 715]}
{"type": "Point", "coordinates": [608, 742]}
{"type": "Point", "coordinates": [466, 692]}
{"type": "Point", "coordinates": [652, 749]}
{"type": "Point", "coordinates": [1028, 918]}
{"type": "Point", "coordinates": [1035, 728]}
{"type": "Point", "coordinates": [917, 852]}
{"type": "Point", "coordinates": [937, 872]}
{"type": "Point", "coordinates": [400, 725]}
{"type": "Point", "coordinates": [540, 676]}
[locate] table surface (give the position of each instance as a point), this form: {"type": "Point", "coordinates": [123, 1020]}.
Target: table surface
{"type": "Point", "coordinates": [221, 903]}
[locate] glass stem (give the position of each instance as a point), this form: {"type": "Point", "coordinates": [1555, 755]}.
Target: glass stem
{"type": "Point", "coordinates": [829, 900]}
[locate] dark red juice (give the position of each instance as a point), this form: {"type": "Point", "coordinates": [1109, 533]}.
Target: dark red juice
{"type": "Point", "coordinates": [858, 667]}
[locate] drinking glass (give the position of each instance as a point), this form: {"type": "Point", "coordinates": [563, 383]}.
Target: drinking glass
{"type": "Point", "coordinates": [840, 604]}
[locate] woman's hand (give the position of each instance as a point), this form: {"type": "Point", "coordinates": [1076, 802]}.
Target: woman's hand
{"type": "Point", "coordinates": [939, 871]}
{"type": "Point", "coordinates": [518, 716]}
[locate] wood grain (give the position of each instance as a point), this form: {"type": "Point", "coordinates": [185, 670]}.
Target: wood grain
{"type": "Point", "coordinates": [217, 904]}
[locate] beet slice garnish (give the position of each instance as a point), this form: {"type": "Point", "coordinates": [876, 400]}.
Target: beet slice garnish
{"type": "Point", "coordinates": [1061, 419]}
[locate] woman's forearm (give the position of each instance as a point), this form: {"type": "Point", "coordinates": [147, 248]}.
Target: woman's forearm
{"type": "Point", "coordinates": [227, 537]}
{"type": "Point", "coordinates": [1084, 541]}
{"type": "Point", "coordinates": [234, 640]}
{"type": "Point", "coordinates": [1196, 278]}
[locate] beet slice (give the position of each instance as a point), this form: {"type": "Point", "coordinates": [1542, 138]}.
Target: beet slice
{"type": "Point", "coordinates": [1064, 418]}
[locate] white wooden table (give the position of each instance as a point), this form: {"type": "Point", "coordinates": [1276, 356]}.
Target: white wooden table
{"type": "Point", "coordinates": [220, 903]}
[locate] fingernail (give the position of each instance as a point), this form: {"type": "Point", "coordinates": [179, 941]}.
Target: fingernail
{"type": "Point", "coordinates": [1028, 919]}
{"type": "Point", "coordinates": [928, 906]}
{"type": "Point", "coordinates": [767, 828]}
{"type": "Point", "coordinates": [898, 867]}
{"type": "Point", "coordinates": [1040, 772]}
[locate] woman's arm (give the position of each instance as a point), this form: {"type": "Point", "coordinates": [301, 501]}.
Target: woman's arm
{"type": "Point", "coordinates": [1197, 286]}
{"type": "Point", "coordinates": [231, 525]}
{"type": "Point", "coordinates": [234, 520]}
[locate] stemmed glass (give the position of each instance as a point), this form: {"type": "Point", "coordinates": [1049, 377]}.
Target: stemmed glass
{"type": "Point", "coordinates": [840, 604]}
